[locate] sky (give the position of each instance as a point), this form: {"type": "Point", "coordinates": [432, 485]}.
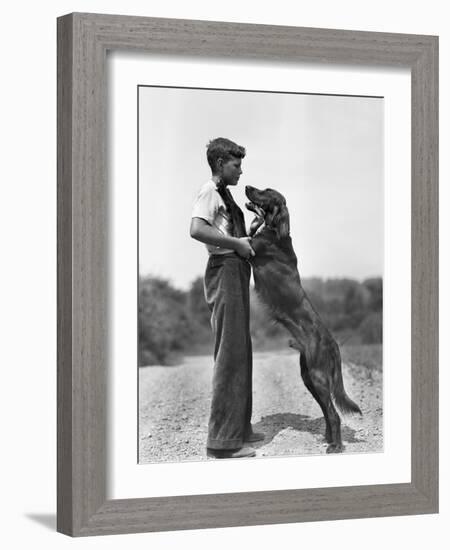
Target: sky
{"type": "Point", "coordinates": [323, 153]}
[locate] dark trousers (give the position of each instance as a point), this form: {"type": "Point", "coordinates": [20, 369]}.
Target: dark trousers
{"type": "Point", "coordinates": [226, 286]}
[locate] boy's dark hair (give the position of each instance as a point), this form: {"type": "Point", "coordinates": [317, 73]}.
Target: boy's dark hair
{"type": "Point", "coordinates": [223, 148]}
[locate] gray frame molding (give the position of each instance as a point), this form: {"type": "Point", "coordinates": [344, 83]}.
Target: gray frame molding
{"type": "Point", "coordinates": [83, 40]}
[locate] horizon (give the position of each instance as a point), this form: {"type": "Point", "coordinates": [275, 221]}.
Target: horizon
{"type": "Point", "coordinates": [309, 278]}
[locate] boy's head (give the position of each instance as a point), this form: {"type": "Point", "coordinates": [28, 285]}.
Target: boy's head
{"type": "Point", "coordinates": [225, 157]}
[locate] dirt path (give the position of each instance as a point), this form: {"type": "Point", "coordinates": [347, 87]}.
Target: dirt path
{"type": "Point", "coordinates": [174, 407]}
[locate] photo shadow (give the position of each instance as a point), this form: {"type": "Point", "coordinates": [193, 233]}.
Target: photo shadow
{"type": "Point", "coordinates": [273, 424]}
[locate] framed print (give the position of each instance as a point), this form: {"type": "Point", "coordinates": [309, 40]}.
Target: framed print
{"type": "Point", "coordinates": [165, 283]}
{"type": "Point", "coordinates": [173, 420]}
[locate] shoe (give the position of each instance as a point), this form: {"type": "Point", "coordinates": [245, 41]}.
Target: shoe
{"type": "Point", "coordinates": [243, 452]}
{"type": "Point", "coordinates": [255, 436]}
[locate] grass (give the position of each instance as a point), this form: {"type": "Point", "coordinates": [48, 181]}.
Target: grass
{"type": "Point", "coordinates": [364, 355]}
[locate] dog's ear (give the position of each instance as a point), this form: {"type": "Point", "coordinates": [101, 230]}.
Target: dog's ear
{"type": "Point", "coordinates": [278, 219]}
{"type": "Point", "coordinates": [271, 216]}
{"type": "Point", "coordinates": [283, 225]}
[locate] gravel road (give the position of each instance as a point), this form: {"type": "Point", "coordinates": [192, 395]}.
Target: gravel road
{"type": "Point", "coordinates": [174, 407]}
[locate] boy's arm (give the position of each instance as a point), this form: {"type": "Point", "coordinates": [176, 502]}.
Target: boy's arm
{"type": "Point", "coordinates": [202, 231]}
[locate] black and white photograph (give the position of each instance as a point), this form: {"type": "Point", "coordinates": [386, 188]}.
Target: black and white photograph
{"type": "Point", "coordinates": [260, 303]}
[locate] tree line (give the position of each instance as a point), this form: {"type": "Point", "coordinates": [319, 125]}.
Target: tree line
{"type": "Point", "coordinates": [174, 322]}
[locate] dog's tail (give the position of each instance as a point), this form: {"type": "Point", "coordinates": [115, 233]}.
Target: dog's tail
{"type": "Point", "coordinates": [342, 400]}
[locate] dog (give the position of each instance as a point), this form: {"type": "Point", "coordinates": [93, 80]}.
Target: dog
{"type": "Point", "coordinates": [277, 283]}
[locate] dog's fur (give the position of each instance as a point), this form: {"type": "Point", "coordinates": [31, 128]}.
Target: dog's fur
{"type": "Point", "coordinates": [277, 282]}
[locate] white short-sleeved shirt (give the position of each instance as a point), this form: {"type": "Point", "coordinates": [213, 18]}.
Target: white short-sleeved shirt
{"type": "Point", "coordinates": [209, 206]}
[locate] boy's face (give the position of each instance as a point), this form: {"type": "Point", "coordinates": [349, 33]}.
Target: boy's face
{"type": "Point", "coordinates": [231, 170]}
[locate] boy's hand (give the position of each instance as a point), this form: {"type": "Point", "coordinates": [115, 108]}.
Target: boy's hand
{"type": "Point", "coordinates": [243, 247]}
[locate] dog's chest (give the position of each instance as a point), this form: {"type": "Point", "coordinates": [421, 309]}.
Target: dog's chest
{"type": "Point", "coordinates": [269, 270]}
{"type": "Point", "coordinates": [277, 280]}
{"type": "Point", "coordinates": [271, 251]}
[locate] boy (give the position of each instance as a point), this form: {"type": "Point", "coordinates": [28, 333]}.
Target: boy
{"type": "Point", "coordinates": [218, 222]}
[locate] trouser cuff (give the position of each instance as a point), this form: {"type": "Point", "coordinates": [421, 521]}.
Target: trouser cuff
{"type": "Point", "coordinates": [219, 444]}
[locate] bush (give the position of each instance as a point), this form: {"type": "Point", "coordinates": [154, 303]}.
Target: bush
{"type": "Point", "coordinates": [371, 329]}
{"type": "Point", "coordinates": [164, 326]}
{"type": "Point", "coordinates": [173, 322]}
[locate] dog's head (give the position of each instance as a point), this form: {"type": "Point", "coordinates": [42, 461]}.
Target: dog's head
{"type": "Point", "coordinates": [276, 214]}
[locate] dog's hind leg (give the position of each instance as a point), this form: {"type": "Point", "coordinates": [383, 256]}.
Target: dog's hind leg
{"type": "Point", "coordinates": [319, 384]}
{"type": "Point", "coordinates": [335, 445]}
{"type": "Point", "coordinates": [310, 386]}
{"type": "Point", "coordinates": [322, 389]}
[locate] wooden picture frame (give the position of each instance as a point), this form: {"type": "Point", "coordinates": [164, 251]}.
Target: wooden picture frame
{"type": "Point", "coordinates": [83, 40]}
